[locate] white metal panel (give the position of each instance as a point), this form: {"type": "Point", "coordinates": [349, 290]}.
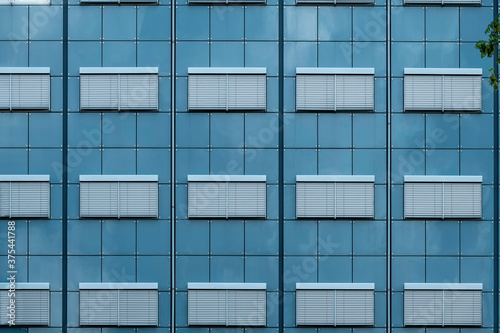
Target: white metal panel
{"type": "Point", "coordinates": [98, 199]}
{"type": "Point", "coordinates": [463, 307]}
{"type": "Point", "coordinates": [354, 200]}
{"type": "Point", "coordinates": [315, 92]}
{"type": "Point", "coordinates": [30, 199]}
{"type": "Point", "coordinates": [246, 308]}
{"type": "Point", "coordinates": [30, 91]}
{"type": "Point", "coordinates": [354, 92]}
{"type": "Point", "coordinates": [423, 307]}
{"type": "Point", "coordinates": [315, 199]}
{"type": "Point", "coordinates": [443, 71]}
{"type": "Point", "coordinates": [423, 92]}
{"type": "Point", "coordinates": [98, 307]}
{"type": "Point", "coordinates": [335, 178]}
{"type": "Point", "coordinates": [138, 199]}
{"type": "Point", "coordinates": [227, 70]}
{"type": "Point", "coordinates": [246, 199]}
{"type": "Point", "coordinates": [207, 199]}
{"type": "Point", "coordinates": [207, 307]}
{"type": "Point", "coordinates": [462, 93]}
{"type": "Point", "coordinates": [226, 285]}
{"type": "Point", "coordinates": [332, 286]}
{"type": "Point", "coordinates": [335, 70]}
{"type": "Point", "coordinates": [423, 200]}
{"type": "Point", "coordinates": [446, 179]}
{"type": "Point", "coordinates": [118, 70]}
{"type": "Point", "coordinates": [118, 285]}
{"type": "Point", "coordinates": [246, 92]}
{"type": "Point", "coordinates": [138, 92]}
{"type": "Point", "coordinates": [25, 70]}
{"type": "Point", "coordinates": [99, 92]}
{"type": "Point", "coordinates": [5, 92]}
{"type": "Point", "coordinates": [207, 92]}
{"type": "Point", "coordinates": [443, 286]}
{"type": "Point", "coordinates": [354, 307]}
{"type": "Point", "coordinates": [118, 178]}
{"type": "Point", "coordinates": [226, 178]}
{"type": "Point", "coordinates": [462, 200]}
{"type": "Point", "coordinates": [138, 308]}
{"type": "Point", "coordinates": [4, 199]}
{"type": "Point", "coordinates": [315, 307]}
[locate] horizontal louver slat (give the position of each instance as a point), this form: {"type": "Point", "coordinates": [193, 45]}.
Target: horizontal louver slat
{"type": "Point", "coordinates": [247, 92]}
{"type": "Point", "coordinates": [98, 199]}
{"type": "Point", "coordinates": [4, 310]}
{"type": "Point", "coordinates": [138, 92]}
{"type": "Point", "coordinates": [99, 92]}
{"type": "Point", "coordinates": [207, 307]}
{"type": "Point", "coordinates": [32, 307]}
{"type": "Point", "coordinates": [5, 92]}
{"type": "Point", "coordinates": [315, 307]}
{"type": "Point", "coordinates": [423, 200]}
{"type": "Point", "coordinates": [423, 92]}
{"type": "Point", "coordinates": [246, 308]}
{"type": "Point", "coordinates": [355, 200]}
{"type": "Point", "coordinates": [315, 199]}
{"type": "Point", "coordinates": [31, 91]}
{"type": "Point", "coordinates": [423, 307]}
{"type": "Point", "coordinates": [138, 307]}
{"type": "Point", "coordinates": [4, 199]}
{"type": "Point", "coordinates": [138, 199]}
{"type": "Point", "coordinates": [246, 199]}
{"type": "Point", "coordinates": [462, 93]}
{"type": "Point", "coordinates": [30, 199]}
{"type": "Point", "coordinates": [207, 199]}
{"type": "Point", "coordinates": [315, 92]}
{"type": "Point", "coordinates": [355, 92]}
{"type": "Point", "coordinates": [99, 307]}
{"type": "Point", "coordinates": [463, 307]}
{"type": "Point", "coordinates": [462, 200]}
{"type": "Point", "coordinates": [354, 307]}
{"type": "Point", "coordinates": [207, 92]}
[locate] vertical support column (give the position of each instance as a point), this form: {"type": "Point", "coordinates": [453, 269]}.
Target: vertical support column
{"type": "Point", "coordinates": [389, 171]}
{"type": "Point", "coordinates": [496, 176]}
{"type": "Point", "coordinates": [65, 173]}
{"type": "Point", "coordinates": [172, 166]}
{"type": "Point", "coordinates": [281, 212]}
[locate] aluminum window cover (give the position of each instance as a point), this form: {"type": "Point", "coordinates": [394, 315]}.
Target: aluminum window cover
{"type": "Point", "coordinates": [25, 70]}
{"type": "Point", "coordinates": [226, 2]}
{"type": "Point", "coordinates": [26, 286]}
{"type": "Point", "coordinates": [118, 178]}
{"type": "Point", "coordinates": [24, 2]}
{"type": "Point", "coordinates": [117, 285]}
{"type": "Point", "coordinates": [118, 70]}
{"type": "Point", "coordinates": [441, 179]}
{"type": "Point", "coordinates": [443, 286]}
{"type": "Point", "coordinates": [335, 286]}
{"type": "Point", "coordinates": [228, 286]}
{"type": "Point", "coordinates": [335, 178]}
{"type": "Point", "coordinates": [24, 178]}
{"type": "Point", "coordinates": [334, 70]}
{"type": "Point", "coordinates": [226, 178]}
{"type": "Point", "coordinates": [443, 71]}
{"type": "Point", "coordinates": [227, 70]}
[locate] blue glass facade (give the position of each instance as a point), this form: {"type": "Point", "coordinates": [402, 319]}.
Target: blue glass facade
{"type": "Point", "coordinates": [280, 143]}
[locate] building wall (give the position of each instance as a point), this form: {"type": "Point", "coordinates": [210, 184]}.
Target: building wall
{"type": "Point", "coordinates": [249, 143]}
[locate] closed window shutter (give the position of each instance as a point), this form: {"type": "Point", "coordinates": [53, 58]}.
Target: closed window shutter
{"type": "Point", "coordinates": [138, 199]}
{"type": "Point", "coordinates": [315, 199]}
{"type": "Point", "coordinates": [246, 308]}
{"type": "Point", "coordinates": [315, 92]}
{"type": "Point", "coordinates": [98, 199]}
{"type": "Point", "coordinates": [31, 91]}
{"type": "Point", "coordinates": [423, 92]}
{"type": "Point", "coordinates": [246, 92]}
{"type": "Point", "coordinates": [139, 91]}
{"type": "Point", "coordinates": [462, 93]}
{"type": "Point", "coordinates": [315, 307]}
{"type": "Point", "coordinates": [354, 92]}
{"type": "Point", "coordinates": [207, 199]}
{"type": "Point", "coordinates": [32, 307]}
{"type": "Point", "coordinates": [98, 307]}
{"type": "Point", "coordinates": [5, 92]}
{"type": "Point", "coordinates": [246, 199]}
{"type": "Point", "coordinates": [462, 200]}
{"type": "Point", "coordinates": [207, 92]}
{"type": "Point", "coordinates": [354, 307]}
{"type": "Point", "coordinates": [138, 308]}
{"type": "Point", "coordinates": [99, 92]}
{"type": "Point", "coordinates": [462, 307]}
{"type": "Point", "coordinates": [207, 307]}
{"type": "Point", "coordinates": [30, 199]}
{"type": "Point", "coordinates": [354, 200]}
{"type": "Point", "coordinates": [423, 307]}
{"type": "Point", "coordinates": [423, 200]}
{"type": "Point", "coordinates": [4, 199]}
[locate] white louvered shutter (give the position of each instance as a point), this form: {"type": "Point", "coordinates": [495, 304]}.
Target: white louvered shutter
{"type": "Point", "coordinates": [31, 91]}
{"type": "Point", "coordinates": [207, 307]}
{"type": "Point", "coordinates": [5, 92]}
{"type": "Point", "coordinates": [423, 92]}
{"type": "Point", "coordinates": [423, 200]}
{"type": "Point", "coordinates": [99, 92]}
{"type": "Point", "coordinates": [246, 199]}
{"type": "Point", "coordinates": [138, 308]}
{"type": "Point", "coordinates": [315, 307]}
{"type": "Point", "coordinates": [462, 92]}
{"type": "Point", "coordinates": [246, 308]}
{"type": "Point", "coordinates": [246, 92]}
{"type": "Point", "coordinates": [32, 307]}
{"type": "Point", "coordinates": [4, 199]}
{"type": "Point", "coordinates": [423, 307]}
{"type": "Point", "coordinates": [30, 199]}
{"type": "Point", "coordinates": [138, 199]}
{"type": "Point", "coordinates": [462, 200]}
{"type": "Point", "coordinates": [98, 199]}
{"type": "Point", "coordinates": [462, 307]}
{"type": "Point", "coordinates": [4, 303]}
{"type": "Point", "coordinates": [354, 200]}
{"type": "Point", "coordinates": [138, 91]}
{"type": "Point", "coordinates": [315, 92]}
{"type": "Point", "coordinates": [315, 199]}
{"type": "Point", "coordinates": [207, 92]}
{"type": "Point", "coordinates": [98, 307]}
{"type": "Point", "coordinates": [207, 199]}
{"type": "Point", "coordinates": [354, 307]}
{"type": "Point", "coordinates": [354, 92]}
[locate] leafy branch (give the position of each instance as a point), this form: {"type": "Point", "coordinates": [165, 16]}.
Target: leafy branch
{"type": "Point", "coordinates": [490, 47]}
